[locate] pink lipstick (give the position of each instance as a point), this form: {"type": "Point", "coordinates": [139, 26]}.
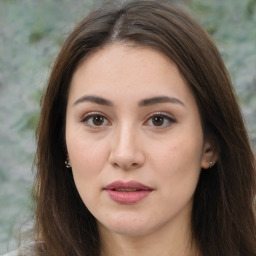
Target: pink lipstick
{"type": "Point", "coordinates": [130, 192]}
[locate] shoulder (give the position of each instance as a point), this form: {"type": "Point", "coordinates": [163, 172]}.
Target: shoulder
{"type": "Point", "coordinates": [26, 250]}
{"type": "Point", "coordinates": [12, 253]}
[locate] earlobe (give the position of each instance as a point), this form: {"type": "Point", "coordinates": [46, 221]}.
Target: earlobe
{"type": "Point", "coordinates": [67, 162]}
{"type": "Point", "coordinates": [210, 156]}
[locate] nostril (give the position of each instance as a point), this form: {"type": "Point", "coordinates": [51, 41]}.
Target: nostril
{"type": "Point", "coordinates": [126, 158]}
{"type": "Point", "coordinates": [125, 166]}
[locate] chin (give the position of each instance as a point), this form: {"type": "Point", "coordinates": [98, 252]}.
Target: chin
{"type": "Point", "coordinates": [126, 226]}
{"type": "Point", "coordinates": [129, 231]}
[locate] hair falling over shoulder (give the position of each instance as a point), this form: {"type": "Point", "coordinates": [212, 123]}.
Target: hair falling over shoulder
{"type": "Point", "coordinates": [223, 217]}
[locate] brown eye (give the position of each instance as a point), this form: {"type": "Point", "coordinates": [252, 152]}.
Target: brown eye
{"type": "Point", "coordinates": [95, 120]}
{"type": "Point", "coordinates": [158, 120]}
{"type": "Point", "coordinates": [98, 120]}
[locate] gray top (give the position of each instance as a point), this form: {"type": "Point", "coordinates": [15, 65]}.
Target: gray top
{"type": "Point", "coordinates": [25, 250]}
{"type": "Point", "coordinates": [12, 253]}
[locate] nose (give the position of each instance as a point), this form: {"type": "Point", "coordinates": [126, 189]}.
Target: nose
{"type": "Point", "coordinates": [126, 151]}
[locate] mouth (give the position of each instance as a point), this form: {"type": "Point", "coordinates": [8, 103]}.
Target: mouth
{"type": "Point", "coordinates": [130, 192]}
{"type": "Point", "coordinates": [126, 189]}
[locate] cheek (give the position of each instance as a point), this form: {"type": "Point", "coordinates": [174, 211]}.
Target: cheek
{"type": "Point", "coordinates": [87, 163]}
{"type": "Point", "coordinates": [178, 163]}
{"type": "Point", "coordinates": [179, 151]}
{"type": "Point", "coordinates": [86, 158]}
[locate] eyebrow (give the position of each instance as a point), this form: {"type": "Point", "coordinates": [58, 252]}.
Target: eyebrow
{"type": "Point", "coordinates": [160, 99]}
{"type": "Point", "coordinates": [94, 99]}
{"type": "Point", "coordinates": [142, 103]}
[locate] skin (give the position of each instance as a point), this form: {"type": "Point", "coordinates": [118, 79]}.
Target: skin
{"type": "Point", "coordinates": [159, 144]}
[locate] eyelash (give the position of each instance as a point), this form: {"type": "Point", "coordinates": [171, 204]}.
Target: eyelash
{"type": "Point", "coordinates": [165, 117]}
{"type": "Point", "coordinates": [89, 116]}
{"type": "Point", "coordinates": [92, 115]}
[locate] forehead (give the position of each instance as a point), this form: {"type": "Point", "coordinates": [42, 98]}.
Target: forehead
{"type": "Point", "coordinates": [119, 69]}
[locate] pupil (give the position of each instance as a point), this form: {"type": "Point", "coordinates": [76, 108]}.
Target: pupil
{"type": "Point", "coordinates": [158, 120]}
{"type": "Point", "coordinates": [98, 120]}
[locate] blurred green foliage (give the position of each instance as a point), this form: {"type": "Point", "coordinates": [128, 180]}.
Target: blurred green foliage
{"type": "Point", "coordinates": [232, 24]}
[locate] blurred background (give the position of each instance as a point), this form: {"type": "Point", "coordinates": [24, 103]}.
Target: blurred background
{"type": "Point", "coordinates": [31, 33]}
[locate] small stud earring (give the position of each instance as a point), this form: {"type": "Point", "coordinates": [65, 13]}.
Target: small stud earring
{"type": "Point", "coordinates": [210, 164]}
{"type": "Point", "coordinates": [67, 164]}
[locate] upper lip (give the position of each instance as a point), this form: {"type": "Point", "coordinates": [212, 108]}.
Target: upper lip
{"type": "Point", "coordinates": [127, 185]}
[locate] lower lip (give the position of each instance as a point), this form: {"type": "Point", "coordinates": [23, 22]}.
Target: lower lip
{"type": "Point", "coordinates": [128, 197]}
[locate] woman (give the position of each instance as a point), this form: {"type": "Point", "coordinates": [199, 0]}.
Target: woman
{"type": "Point", "coordinates": [142, 149]}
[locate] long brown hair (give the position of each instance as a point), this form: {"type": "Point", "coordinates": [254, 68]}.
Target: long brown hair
{"type": "Point", "coordinates": [223, 217]}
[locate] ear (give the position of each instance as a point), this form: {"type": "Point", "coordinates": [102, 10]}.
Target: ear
{"type": "Point", "coordinates": [209, 157]}
{"type": "Point", "coordinates": [67, 162]}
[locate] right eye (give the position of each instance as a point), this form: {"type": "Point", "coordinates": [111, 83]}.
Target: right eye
{"type": "Point", "coordinates": [95, 120]}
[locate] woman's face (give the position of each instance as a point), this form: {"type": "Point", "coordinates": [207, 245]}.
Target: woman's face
{"type": "Point", "coordinates": [134, 140]}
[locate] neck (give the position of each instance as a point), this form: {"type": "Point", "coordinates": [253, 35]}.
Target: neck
{"type": "Point", "coordinates": [164, 242]}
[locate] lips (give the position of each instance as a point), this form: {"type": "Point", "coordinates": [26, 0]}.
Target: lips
{"type": "Point", "coordinates": [130, 192]}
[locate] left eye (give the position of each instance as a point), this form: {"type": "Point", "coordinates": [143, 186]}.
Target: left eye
{"type": "Point", "coordinates": [160, 120]}
{"type": "Point", "coordinates": [95, 120]}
